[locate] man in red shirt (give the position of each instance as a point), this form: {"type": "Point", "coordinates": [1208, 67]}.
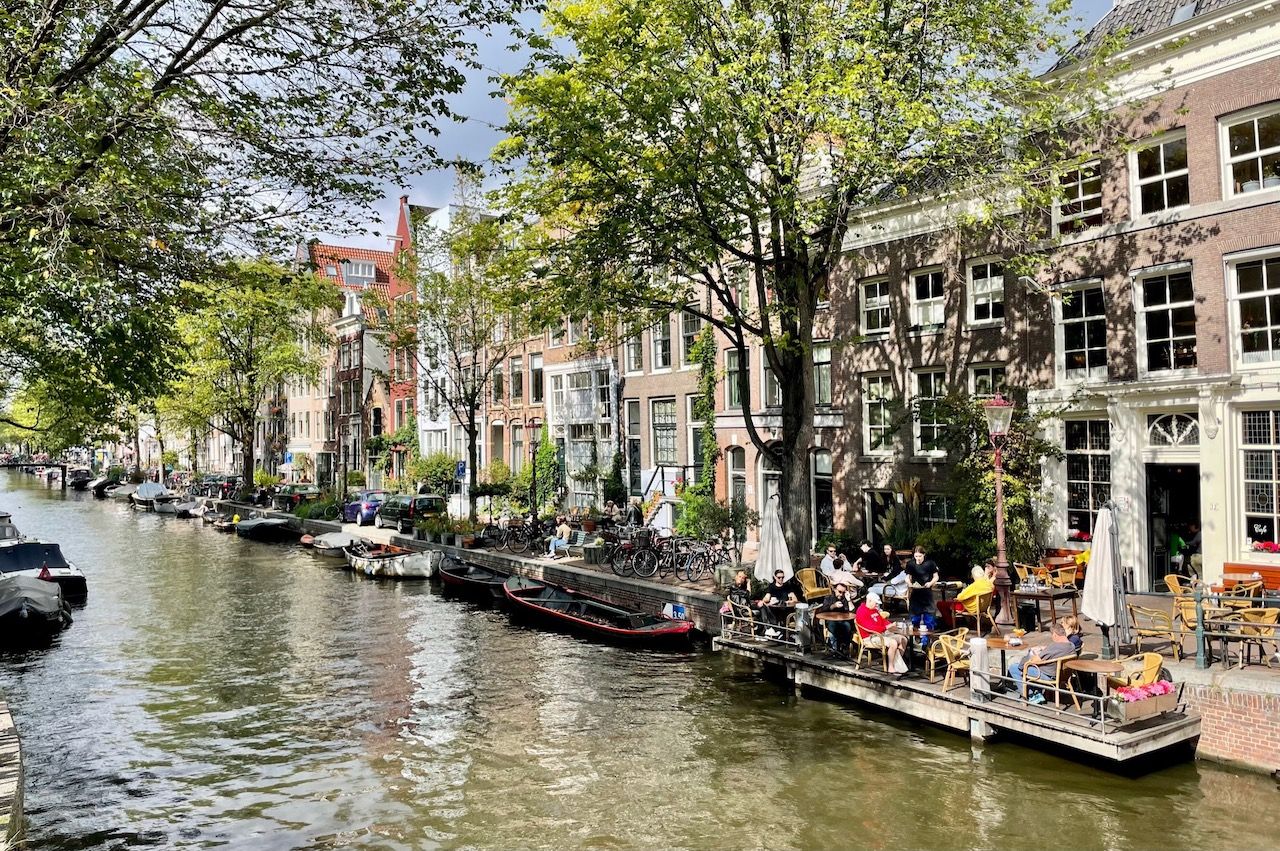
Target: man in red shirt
{"type": "Point", "coordinates": [873, 630]}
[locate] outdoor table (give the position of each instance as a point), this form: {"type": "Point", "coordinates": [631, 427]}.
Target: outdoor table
{"type": "Point", "coordinates": [830, 617]}
{"type": "Point", "coordinates": [1238, 577]}
{"type": "Point", "coordinates": [1050, 595]}
{"type": "Point", "coordinates": [780, 612]}
{"type": "Point", "coordinates": [1003, 645]}
{"type": "Point", "coordinates": [1100, 668]}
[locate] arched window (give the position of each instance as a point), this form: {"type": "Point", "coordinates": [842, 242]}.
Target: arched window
{"type": "Point", "coordinates": [1173, 430]}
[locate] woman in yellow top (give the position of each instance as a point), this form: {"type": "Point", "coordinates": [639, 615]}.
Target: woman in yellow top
{"type": "Point", "coordinates": [967, 600]}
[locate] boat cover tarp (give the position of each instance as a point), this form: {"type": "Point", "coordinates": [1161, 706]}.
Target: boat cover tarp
{"type": "Point", "coordinates": [38, 594]}
{"type": "Point", "coordinates": [149, 490]}
{"type": "Point", "coordinates": [30, 555]}
{"type": "Point", "coordinates": [337, 540]}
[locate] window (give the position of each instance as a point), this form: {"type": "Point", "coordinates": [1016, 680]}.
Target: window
{"type": "Point", "coordinates": [578, 330]}
{"type": "Point", "coordinates": [557, 390]}
{"type": "Point", "coordinates": [824, 507]}
{"type": "Point", "coordinates": [1088, 474]}
{"type": "Point", "coordinates": [1258, 303]}
{"type": "Point", "coordinates": [633, 355]}
{"type": "Point", "coordinates": [556, 334]}
{"type": "Point", "coordinates": [929, 426]}
{"type": "Point", "coordinates": [1081, 204]}
{"type": "Point", "coordinates": [772, 388]}
{"type": "Point", "coordinates": [739, 280]}
{"type": "Point", "coordinates": [736, 460]}
{"type": "Point", "coordinates": [986, 292]}
{"type": "Point", "coordinates": [1161, 173]}
{"type": "Point", "coordinates": [517, 447]}
{"type": "Point", "coordinates": [664, 431]}
{"type": "Point", "coordinates": [331, 270]}
{"type": "Point", "coordinates": [1084, 334]}
{"type": "Point", "coordinates": [359, 273]}
{"type": "Point", "coordinates": [877, 390]}
{"type": "Point", "coordinates": [822, 374]}
{"type": "Point", "coordinates": [732, 367]}
{"type": "Point", "coordinates": [582, 439]}
{"type": "Point", "coordinates": [1261, 460]}
{"type": "Point", "coordinates": [1173, 430]}
{"type": "Point", "coordinates": [307, 422]}
{"type": "Point", "coordinates": [1168, 320]}
{"type": "Point", "coordinates": [633, 446]}
{"type": "Point", "coordinates": [937, 508]}
{"type": "Point", "coordinates": [928, 299]}
{"type": "Point", "coordinates": [1253, 151]}
{"type": "Point", "coordinates": [660, 343]}
{"type": "Point", "coordinates": [604, 395]}
{"type": "Point", "coordinates": [875, 306]}
{"type": "Point", "coordinates": [987, 381]}
{"type": "Point", "coordinates": [690, 325]}
{"type": "Point", "coordinates": [535, 379]}
{"type": "Point", "coordinates": [694, 428]}
{"type": "Point", "coordinates": [498, 384]}
{"type": "Point", "coordinates": [517, 379]}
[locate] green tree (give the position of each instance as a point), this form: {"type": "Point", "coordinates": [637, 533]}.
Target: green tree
{"type": "Point", "coordinates": [139, 138]}
{"type": "Point", "coordinates": [676, 149]}
{"type": "Point", "coordinates": [260, 325]}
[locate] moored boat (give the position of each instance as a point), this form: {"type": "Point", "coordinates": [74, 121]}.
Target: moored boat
{"type": "Point", "coordinates": [332, 544]}
{"type": "Point", "coordinates": [102, 485]}
{"type": "Point", "coordinates": [79, 477]}
{"type": "Point", "coordinates": [124, 492]}
{"type": "Point", "coordinates": [390, 561]}
{"type": "Point", "coordinates": [472, 578]}
{"type": "Point", "coordinates": [269, 529]}
{"type": "Point", "coordinates": [31, 609]}
{"type": "Point", "coordinates": [577, 611]}
{"type": "Point", "coordinates": [189, 508]}
{"type": "Point", "coordinates": [43, 560]}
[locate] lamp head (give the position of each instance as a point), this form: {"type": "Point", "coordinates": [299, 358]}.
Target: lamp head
{"type": "Point", "coordinates": [999, 411]}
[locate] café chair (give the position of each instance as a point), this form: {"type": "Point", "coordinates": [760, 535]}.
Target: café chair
{"type": "Point", "coordinates": [1024, 571]}
{"type": "Point", "coordinates": [983, 612]}
{"type": "Point", "coordinates": [1246, 589]}
{"type": "Point", "coordinates": [812, 584]}
{"type": "Point", "coordinates": [865, 651]}
{"type": "Point", "coordinates": [1141, 669]}
{"type": "Point", "coordinates": [1051, 677]}
{"type": "Point", "coordinates": [1179, 585]}
{"type": "Point", "coordinates": [1063, 577]}
{"type": "Point", "coordinates": [1153, 623]}
{"type": "Point", "coordinates": [1258, 629]}
{"type": "Point", "coordinates": [950, 650]}
{"type": "Point", "coordinates": [740, 620]}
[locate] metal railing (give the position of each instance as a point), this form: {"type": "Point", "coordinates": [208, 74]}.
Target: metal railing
{"type": "Point", "coordinates": [1209, 622]}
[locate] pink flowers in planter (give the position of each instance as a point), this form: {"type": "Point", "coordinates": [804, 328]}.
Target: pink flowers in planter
{"type": "Point", "coordinates": [1266, 546]}
{"type": "Point", "coordinates": [1131, 694]}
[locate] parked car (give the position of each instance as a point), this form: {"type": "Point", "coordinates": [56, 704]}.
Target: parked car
{"type": "Point", "coordinates": [361, 506]}
{"type": "Point", "coordinates": [289, 497]}
{"type": "Point", "coordinates": [403, 511]}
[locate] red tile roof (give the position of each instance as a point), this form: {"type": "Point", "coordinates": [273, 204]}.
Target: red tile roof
{"type": "Point", "coordinates": [322, 256]}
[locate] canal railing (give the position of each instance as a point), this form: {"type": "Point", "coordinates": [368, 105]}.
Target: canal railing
{"type": "Point", "coordinates": [1206, 617]}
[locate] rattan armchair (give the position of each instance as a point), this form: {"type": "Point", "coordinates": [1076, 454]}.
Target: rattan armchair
{"type": "Point", "coordinates": [1051, 675]}
{"type": "Point", "coordinates": [1141, 669]}
{"type": "Point", "coordinates": [983, 613]}
{"type": "Point", "coordinates": [812, 584]}
{"type": "Point", "coordinates": [865, 650]}
{"type": "Point", "coordinates": [1258, 629]}
{"type": "Point", "coordinates": [951, 650]}
{"type": "Point", "coordinates": [1153, 623]}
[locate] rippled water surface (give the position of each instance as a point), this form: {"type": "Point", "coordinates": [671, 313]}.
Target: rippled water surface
{"type": "Point", "coordinates": [219, 693]}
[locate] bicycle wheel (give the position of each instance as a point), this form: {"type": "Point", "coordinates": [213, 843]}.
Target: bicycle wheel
{"type": "Point", "coordinates": [491, 535]}
{"type": "Point", "coordinates": [644, 563]}
{"type": "Point", "coordinates": [620, 561]}
{"type": "Point", "coordinates": [518, 540]}
{"type": "Point", "coordinates": [330, 512]}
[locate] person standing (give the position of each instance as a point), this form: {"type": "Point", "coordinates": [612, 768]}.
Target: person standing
{"type": "Point", "coordinates": [922, 574]}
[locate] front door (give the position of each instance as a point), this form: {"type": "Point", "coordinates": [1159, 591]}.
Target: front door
{"type": "Point", "coordinates": [1173, 504]}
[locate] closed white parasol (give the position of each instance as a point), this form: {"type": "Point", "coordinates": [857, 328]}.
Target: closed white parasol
{"type": "Point", "coordinates": [773, 546]}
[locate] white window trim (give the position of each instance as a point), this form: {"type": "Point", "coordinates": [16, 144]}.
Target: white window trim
{"type": "Point", "coordinates": [969, 293]}
{"type": "Point", "coordinates": [862, 308]}
{"type": "Point", "coordinates": [764, 385]}
{"type": "Point", "coordinates": [1059, 336]}
{"type": "Point", "coordinates": [1228, 189]}
{"type": "Point", "coordinates": [824, 344]}
{"type": "Point", "coordinates": [1136, 277]}
{"type": "Point", "coordinates": [653, 347]}
{"type": "Point", "coordinates": [882, 451]}
{"type": "Point", "coordinates": [1058, 219]}
{"type": "Point", "coordinates": [1229, 263]}
{"type": "Point", "coordinates": [690, 424]}
{"type": "Point", "coordinates": [653, 431]}
{"type": "Point", "coordinates": [626, 364]}
{"type": "Point", "coordinates": [973, 377]}
{"type": "Point", "coordinates": [686, 354]}
{"type": "Point", "coordinates": [1136, 184]}
{"type": "Point", "coordinates": [730, 384]}
{"type": "Point", "coordinates": [916, 450]}
{"type": "Point", "coordinates": [919, 328]}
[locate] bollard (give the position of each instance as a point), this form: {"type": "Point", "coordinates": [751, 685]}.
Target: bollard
{"type": "Point", "coordinates": [804, 633]}
{"type": "Point", "coordinates": [1201, 660]}
{"type": "Point", "coordinates": [979, 675]}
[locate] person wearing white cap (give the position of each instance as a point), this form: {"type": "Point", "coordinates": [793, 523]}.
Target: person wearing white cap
{"type": "Point", "coordinates": [873, 630]}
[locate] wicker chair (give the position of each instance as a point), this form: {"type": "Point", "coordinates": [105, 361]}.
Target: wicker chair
{"type": "Point", "coordinates": [949, 649]}
{"type": "Point", "coordinates": [1051, 675]}
{"type": "Point", "coordinates": [1179, 585]}
{"type": "Point", "coordinates": [739, 620]}
{"type": "Point", "coordinates": [1258, 629]}
{"type": "Point", "coordinates": [1141, 669]}
{"type": "Point", "coordinates": [812, 584]}
{"type": "Point", "coordinates": [983, 612]}
{"type": "Point", "coordinates": [1153, 623]}
{"type": "Point", "coordinates": [1064, 577]}
{"type": "Point", "coordinates": [1246, 589]}
{"type": "Point", "coordinates": [865, 650]}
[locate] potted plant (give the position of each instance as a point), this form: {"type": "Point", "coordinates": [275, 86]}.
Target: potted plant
{"type": "Point", "coordinates": [434, 528]}
{"type": "Point", "coordinates": [466, 533]}
{"type": "Point", "coordinates": [1132, 703]}
{"type": "Point", "coordinates": [593, 553]}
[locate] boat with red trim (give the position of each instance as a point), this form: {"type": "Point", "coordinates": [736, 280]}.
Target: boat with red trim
{"type": "Point", "coordinates": [582, 613]}
{"type": "Point", "coordinates": [466, 577]}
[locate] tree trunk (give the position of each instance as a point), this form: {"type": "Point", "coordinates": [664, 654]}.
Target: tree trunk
{"type": "Point", "coordinates": [247, 440]}
{"type": "Point", "coordinates": [797, 438]}
{"type": "Point", "coordinates": [137, 446]}
{"type": "Point", "coordinates": [471, 467]}
{"type": "Point", "coordinates": [193, 454]}
{"type": "Point", "coordinates": [160, 440]}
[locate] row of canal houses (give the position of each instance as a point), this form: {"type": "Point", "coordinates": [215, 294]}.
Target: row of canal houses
{"type": "Point", "coordinates": [1166, 359]}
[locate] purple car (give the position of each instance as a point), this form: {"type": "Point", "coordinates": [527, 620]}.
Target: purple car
{"type": "Point", "coordinates": [361, 506]}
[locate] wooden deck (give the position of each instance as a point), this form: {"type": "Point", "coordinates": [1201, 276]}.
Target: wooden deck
{"type": "Point", "coordinates": [982, 715]}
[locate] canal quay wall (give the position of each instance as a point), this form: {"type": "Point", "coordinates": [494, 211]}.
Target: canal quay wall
{"type": "Point", "coordinates": [10, 781]}
{"type": "Point", "coordinates": [1239, 714]}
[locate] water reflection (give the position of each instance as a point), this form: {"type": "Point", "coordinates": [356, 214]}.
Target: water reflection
{"type": "Point", "coordinates": [222, 693]}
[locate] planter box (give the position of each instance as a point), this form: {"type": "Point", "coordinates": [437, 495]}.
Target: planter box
{"type": "Point", "coordinates": [593, 554]}
{"type": "Point", "coordinates": [1147, 708]}
{"type": "Point", "coordinates": [469, 541]}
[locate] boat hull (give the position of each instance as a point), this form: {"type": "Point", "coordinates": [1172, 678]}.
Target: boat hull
{"type": "Point", "coordinates": [406, 565]}
{"type": "Point", "coordinates": [585, 615]}
{"type": "Point", "coordinates": [266, 531]}
{"type": "Point", "coordinates": [466, 578]}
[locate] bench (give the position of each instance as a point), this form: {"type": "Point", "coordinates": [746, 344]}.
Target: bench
{"type": "Point", "coordinates": [1270, 575]}
{"type": "Point", "coordinates": [577, 540]}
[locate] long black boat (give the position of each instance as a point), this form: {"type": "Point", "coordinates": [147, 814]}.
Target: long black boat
{"type": "Point", "coordinates": [581, 613]}
{"type": "Point", "coordinates": [463, 576]}
{"type": "Point", "coordinates": [269, 529]}
{"type": "Point", "coordinates": [30, 610]}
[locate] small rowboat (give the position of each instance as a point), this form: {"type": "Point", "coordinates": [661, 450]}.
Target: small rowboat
{"type": "Point", "coordinates": [390, 561]}
{"type": "Point", "coordinates": [331, 544]}
{"type": "Point", "coordinates": [585, 614]}
{"type": "Point", "coordinates": [466, 577]}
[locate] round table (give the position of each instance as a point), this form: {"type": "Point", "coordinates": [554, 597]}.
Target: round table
{"type": "Point", "coordinates": [835, 616]}
{"type": "Point", "coordinates": [1100, 668]}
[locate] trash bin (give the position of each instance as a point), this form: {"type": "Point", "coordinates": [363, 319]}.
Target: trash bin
{"type": "Point", "coordinates": [1027, 616]}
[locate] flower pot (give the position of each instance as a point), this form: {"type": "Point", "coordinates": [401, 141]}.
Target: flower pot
{"type": "Point", "coordinates": [1146, 708]}
{"type": "Point", "coordinates": [469, 541]}
{"type": "Point", "coordinates": [1250, 186]}
{"type": "Point", "coordinates": [588, 525]}
{"type": "Point", "coordinates": [593, 554]}
{"type": "Point", "coordinates": [1271, 182]}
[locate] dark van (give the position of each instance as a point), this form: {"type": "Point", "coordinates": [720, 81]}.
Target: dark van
{"type": "Point", "coordinates": [404, 511]}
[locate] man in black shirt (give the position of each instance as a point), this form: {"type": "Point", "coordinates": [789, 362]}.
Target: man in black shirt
{"type": "Point", "coordinates": [923, 574]}
{"type": "Point", "coordinates": [778, 598]}
{"type": "Point", "coordinates": [869, 560]}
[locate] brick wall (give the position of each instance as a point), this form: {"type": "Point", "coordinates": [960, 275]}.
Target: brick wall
{"type": "Point", "coordinates": [1241, 727]}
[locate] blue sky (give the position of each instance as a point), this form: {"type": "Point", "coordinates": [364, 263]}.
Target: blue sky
{"type": "Point", "coordinates": [483, 113]}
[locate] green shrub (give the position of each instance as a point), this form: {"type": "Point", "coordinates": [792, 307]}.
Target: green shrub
{"type": "Point", "coordinates": [263, 479]}
{"type": "Point", "coordinates": [355, 479]}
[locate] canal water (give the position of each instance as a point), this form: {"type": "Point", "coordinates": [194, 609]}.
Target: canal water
{"type": "Point", "coordinates": [219, 693]}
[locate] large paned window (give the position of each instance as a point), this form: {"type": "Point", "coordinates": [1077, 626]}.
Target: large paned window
{"type": "Point", "coordinates": [928, 299]}
{"type": "Point", "coordinates": [988, 380]}
{"type": "Point", "coordinates": [535, 379]}
{"type": "Point", "coordinates": [498, 382]}
{"type": "Point", "coordinates": [1169, 320]}
{"type": "Point", "coordinates": [877, 395]}
{"type": "Point", "coordinates": [930, 390]}
{"type": "Point", "coordinates": [1080, 205]}
{"type": "Point", "coordinates": [604, 395]}
{"type": "Point", "coordinates": [875, 306]}
{"type": "Point", "coordinates": [1084, 334]}
{"type": "Point", "coordinates": [822, 374]}
{"type": "Point", "coordinates": [660, 343]}
{"type": "Point", "coordinates": [736, 460]}
{"type": "Point", "coordinates": [557, 390]}
{"type": "Point", "coordinates": [690, 325]}
{"type": "Point", "coordinates": [1253, 150]}
{"type": "Point", "coordinates": [1260, 438]}
{"type": "Point", "coordinates": [772, 387]}
{"type": "Point", "coordinates": [937, 508]}
{"type": "Point", "coordinates": [517, 379]}
{"type": "Point", "coordinates": [733, 398]}
{"type": "Point", "coordinates": [664, 432]}
{"type": "Point", "coordinates": [986, 292]}
{"type": "Point", "coordinates": [633, 446]}
{"type": "Point", "coordinates": [1161, 172]}
{"type": "Point", "coordinates": [1258, 302]}
{"type": "Point", "coordinates": [517, 447]}
{"type": "Point", "coordinates": [633, 355]}
{"type": "Point", "coordinates": [1088, 450]}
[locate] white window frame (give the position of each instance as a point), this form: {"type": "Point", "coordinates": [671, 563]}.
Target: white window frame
{"type": "Point", "coordinates": [821, 366]}
{"type": "Point", "coordinates": [557, 334]}
{"type": "Point", "coordinates": [690, 426]}
{"type": "Point", "coordinates": [993, 294]}
{"type": "Point", "coordinates": [1059, 218]}
{"type": "Point", "coordinates": [731, 383]}
{"type": "Point", "coordinates": [930, 501]}
{"type": "Point", "coordinates": [921, 307]}
{"type": "Point", "coordinates": [1137, 182]}
{"type": "Point", "coordinates": [883, 302]}
{"type": "Point", "coordinates": [537, 387]}
{"type": "Point", "coordinates": [1272, 481]}
{"type": "Point", "coordinates": [770, 387]}
{"type": "Point", "coordinates": [737, 473]}
{"type": "Point", "coordinates": [1141, 309]}
{"type": "Point", "coordinates": [654, 348]}
{"type": "Point", "coordinates": [1092, 482]}
{"type": "Point", "coordinates": [938, 382]}
{"type": "Point", "coordinates": [1233, 263]}
{"type": "Point", "coordinates": [886, 380]}
{"type": "Point", "coordinates": [557, 390]}
{"type": "Point", "coordinates": [1224, 145]}
{"type": "Point", "coordinates": [632, 353]}
{"type": "Point", "coordinates": [975, 369]}
{"type": "Point", "coordinates": [686, 347]}
{"type": "Point", "coordinates": [653, 432]}
{"type": "Point", "coordinates": [1091, 374]}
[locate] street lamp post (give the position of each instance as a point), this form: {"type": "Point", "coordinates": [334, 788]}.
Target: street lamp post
{"type": "Point", "coordinates": [999, 412]}
{"type": "Point", "coordinates": [533, 495]}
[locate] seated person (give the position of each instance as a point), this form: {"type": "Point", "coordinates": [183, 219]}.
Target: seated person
{"type": "Point", "coordinates": [873, 629]}
{"type": "Point", "coordinates": [740, 590]}
{"type": "Point", "coordinates": [967, 600]}
{"type": "Point", "coordinates": [829, 560]}
{"type": "Point", "coordinates": [896, 588]}
{"type": "Point", "coordinates": [1071, 624]}
{"type": "Point", "coordinates": [560, 538]}
{"type": "Point", "coordinates": [778, 596]}
{"type": "Point", "coordinates": [1059, 648]}
{"type": "Point", "coordinates": [839, 633]}
{"type": "Point", "coordinates": [868, 561]}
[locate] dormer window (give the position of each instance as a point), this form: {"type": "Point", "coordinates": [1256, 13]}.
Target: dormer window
{"type": "Point", "coordinates": [359, 273]}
